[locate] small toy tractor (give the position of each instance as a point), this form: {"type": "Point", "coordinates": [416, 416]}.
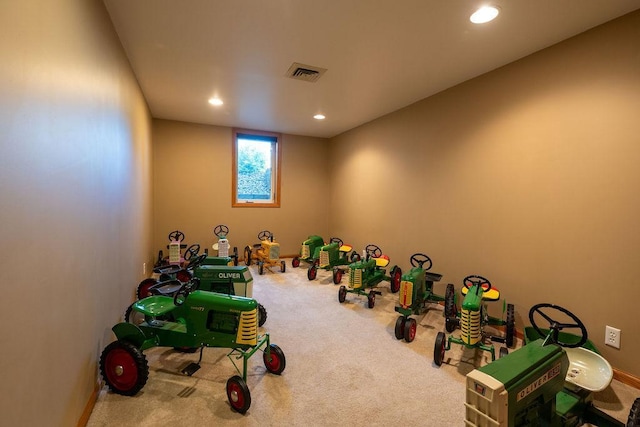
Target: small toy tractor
{"type": "Point", "coordinates": [331, 257]}
{"type": "Point", "coordinates": [222, 246]}
{"type": "Point", "coordinates": [175, 248]}
{"type": "Point", "coordinates": [548, 382]}
{"type": "Point", "coordinates": [472, 320]}
{"type": "Point", "coordinates": [416, 292]}
{"type": "Point", "coordinates": [310, 251]}
{"type": "Point", "coordinates": [368, 273]}
{"type": "Point", "coordinates": [190, 319]}
{"type": "Point", "coordinates": [266, 253]}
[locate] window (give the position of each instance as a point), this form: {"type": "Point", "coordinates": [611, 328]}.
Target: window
{"type": "Point", "coordinates": [256, 169]}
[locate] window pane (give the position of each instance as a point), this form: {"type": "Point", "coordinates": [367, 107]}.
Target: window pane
{"type": "Point", "coordinates": [256, 169]}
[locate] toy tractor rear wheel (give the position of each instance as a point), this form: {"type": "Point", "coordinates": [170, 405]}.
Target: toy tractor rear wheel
{"type": "Point", "coordinates": [399, 329]}
{"type": "Point", "coordinates": [312, 272]}
{"type": "Point", "coordinates": [410, 328]}
{"type": "Point", "coordinates": [371, 299]}
{"type": "Point", "coordinates": [295, 262]}
{"type": "Point", "coordinates": [342, 294]}
{"type": "Point", "coordinates": [247, 256]}
{"type": "Point", "coordinates": [124, 368]}
{"type": "Point", "coordinates": [238, 394]}
{"type": "Point", "coordinates": [283, 266]}
{"type": "Point", "coordinates": [396, 277]}
{"type": "Point", "coordinates": [634, 414]}
{"type": "Point", "coordinates": [337, 276]}
{"type": "Point", "coordinates": [235, 256]}
{"type": "Point", "coordinates": [275, 362]}
{"type": "Point", "coordinates": [143, 288]}
{"type": "Point", "coordinates": [510, 326]}
{"type": "Point", "coordinates": [439, 348]}
{"type": "Point", "coordinates": [262, 314]}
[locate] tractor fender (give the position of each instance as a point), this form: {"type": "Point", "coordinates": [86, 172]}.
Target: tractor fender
{"type": "Point", "coordinates": [131, 333]}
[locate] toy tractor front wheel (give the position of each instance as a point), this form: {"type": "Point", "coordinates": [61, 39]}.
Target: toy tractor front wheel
{"type": "Point", "coordinates": [283, 266]}
{"type": "Point", "coordinates": [399, 329]}
{"type": "Point", "coordinates": [342, 294]}
{"type": "Point", "coordinates": [238, 394]}
{"type": "Point", "coordinates": [410, 328]}
{"type": "Point", "coordinates": [124, 368]}
{"type": "Point", "coordinates": [504, 351]}
{"type": "Point", "coordinates": [295, 262]}
{"type": "Point", "coordinates": [439, 348]}
{"type": "Point", "coordinates": [247, 256]}
{"type": "Point", "coordinates": [275, 362]}
{"type": "Point", "coordinates": [337, 276]}
{"type": "Point", "coordinates": [371, 299]}
{"type": "Point", "coordinates": [261, 268]}
{"type": "Point", "coordinates": [312, 272]}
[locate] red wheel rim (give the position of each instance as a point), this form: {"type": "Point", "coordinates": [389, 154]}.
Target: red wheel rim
{"type": "Point", "coordinates": [339, 276]}
{"type": "Point", "coordinates": [273, 365]}
{"type": "Point", "coordinates": [121, 369]}
{"type": "Point", "coordinates": [442, 352]}
{"type": "Point", "coordinates": [396, 281]}
{"type": "Point", "coordinates": [412, 331]}
{"type": "Point", "coordinates": [183, 276]}
{"type": "Point", "coordinates": [143, 289]}
{"type": "Point", "coordinates": [236, 395]}
{"type": "Point", "coordinates": [312, 273]}
{"type": "Point", "coordinates": [295, 262]}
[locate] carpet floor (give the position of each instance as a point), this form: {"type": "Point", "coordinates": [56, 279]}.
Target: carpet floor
{"type": "Point", "coordinates": [344, 366]}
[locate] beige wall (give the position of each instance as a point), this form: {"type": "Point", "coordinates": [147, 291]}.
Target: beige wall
{"type": "Point", "coordinates": [527, 175]}
{"type": "Point", "coordinates": [75, 215]}
{"type": "Point", "coordinates": [192, 189]}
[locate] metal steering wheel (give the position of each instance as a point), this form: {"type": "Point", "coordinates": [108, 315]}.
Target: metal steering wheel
{"type": "Point", "coordinates": [337, 240]}
{"type": "Point", "coordinates": [191, 251]}
{"type": "Point", "coordinates": [176, 235]}
{"type": "Point", "coordinates": [419, 260]}
{"type": "Point", "coordinates": [555, 327]}
{"type": "Point", "coordinates": [194, 262]}
{"type": "Point", "coordinates": [221, 230]}
{"type": "Point", "coordinates": [475, 280]}
{"type": "Point", "coordinates": [265, 235]}
{"type": "Point", "coordinates": [373, 251]}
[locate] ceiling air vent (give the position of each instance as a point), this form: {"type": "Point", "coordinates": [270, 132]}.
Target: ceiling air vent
{"type": "Point", "coordinates": [308, 73]}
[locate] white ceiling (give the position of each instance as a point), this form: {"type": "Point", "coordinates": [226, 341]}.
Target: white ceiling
{"type": "Point", "coordinates": [381, 55]}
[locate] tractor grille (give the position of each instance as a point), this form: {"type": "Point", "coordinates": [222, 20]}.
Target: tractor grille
{"type": "Point", "coordinates": [406, 294]}
{"type": "Point", "coordinates": [305, 252]}
{"type": "Point", "coordinates": [274, 252]}
{"type": "Point", "coordinates": [355, 278]}
{"type": "Point", "coordinates": [470, 327]}
{"type": "Point", "coordinates": [324, 259]}
{"type": "Point", "coordinates": [248, 328]}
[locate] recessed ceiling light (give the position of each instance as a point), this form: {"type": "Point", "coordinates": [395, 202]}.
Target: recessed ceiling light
{"type": "Point", "coordinates": [484, 14]}
{"type": "Point", "coordinates": [319, 117]}
{"type": "Point", "coordinates": [216, 101]}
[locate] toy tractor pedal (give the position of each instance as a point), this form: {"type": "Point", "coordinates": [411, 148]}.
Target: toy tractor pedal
{"type": "Point", "coordinates": [368, 273]}
{"type": "Point", "coordinates": [472, 320]}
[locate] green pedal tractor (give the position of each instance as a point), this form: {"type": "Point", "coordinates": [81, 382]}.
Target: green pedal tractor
{"type": "Point", "coordinates": [473, 318]}
{"type": "Point", "coordinates": [547, 382]}
{"type": "Point", "coordinates": [365, 275]}
{"type": "Point", "coordinates": [309, 252]}
{"type": "Point", "coordinates": [190, 319]}
{"type": "Point", "coordinates": [416, 293]}
{"type": "Point", "coordinates": [222, 246]}
{"type": "Point", "coordinates": [331, 257]}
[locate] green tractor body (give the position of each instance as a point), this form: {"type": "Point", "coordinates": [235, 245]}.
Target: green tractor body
{"type": "Point", "coordinates": [332, 256]}
{"type": "Point", "coordinates": [225, 279]}
{"type": "Point", "coordinates": [310, 251]}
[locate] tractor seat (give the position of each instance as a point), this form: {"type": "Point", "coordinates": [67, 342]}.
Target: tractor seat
{"type": "Point", "coordinates": [156, 305]}
{"type": "Point", "coordinates": [492, 295]}
{"type": "Point", "coordinates": [382, 262]}
{"type": "Point", "coordinates": [167, 288]}
{"type": "Point", "coordinates": [588, 370]}
{"type": "Point", "coordinates": [345, 248]}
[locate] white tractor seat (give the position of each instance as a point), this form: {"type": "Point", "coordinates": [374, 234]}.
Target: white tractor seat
{"type": "Point", "coordinates": [588, 370]}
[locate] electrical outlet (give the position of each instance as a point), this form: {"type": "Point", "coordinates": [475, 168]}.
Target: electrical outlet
{"type": "Point", "coordinates": [612, 336]}
{"type": "Point", "coordinates": [144, 268]}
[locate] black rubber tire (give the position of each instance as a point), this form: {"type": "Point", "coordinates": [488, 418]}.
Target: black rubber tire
{"type": "Point", "coordinates": [262, 314]}
{"type": "Point", "coordinates": [450, 301]}
{"type": "Point", "coordinates": [399, 329]}
{"type": "Point", "coordinates": [124, 368]}
{"type": "Point", "coordinates": [503, 352]}
{"type": "Point", "coordinates": [247, 256]}
{"type": "Point", "coordinates": [238, 394]}
{"type": "Point", "coordinates": [634, 414]}
{"type": "Point", "coordinates": [295, 263]}
{"type": "Point", "coordinates": [510, 326]}
{"type": "Point", "coordinates": [235, 256]}
{"type": "Point", "coordinates": [371, 299]}
{"type": "Point", "coordinates": [277, 363]}
{"type": "Point", "coordinates": [450, 324]}
{"type": "Point", "coordinates": [396, 278]}
{"type": "Point", "coordinates": [143, 288]}
{"type": "Point", "coordinates": [312, 273]}
{"type": "Point", "coordinates": [439, 348]}
{"type": "Point", "coordinates": [342, 294]}
{"type": "Point", "coordinates": [283, 266]}
{"type": "Point", "coordinates": [261, 268]}
{"type": "Point", "coordinates": [337, 276]}
{"type": "Point", "coordinates": [410, 329]}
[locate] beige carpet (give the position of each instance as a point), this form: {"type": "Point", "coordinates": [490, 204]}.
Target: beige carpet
{"type": "Point", "coordinates": [344, 367]}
